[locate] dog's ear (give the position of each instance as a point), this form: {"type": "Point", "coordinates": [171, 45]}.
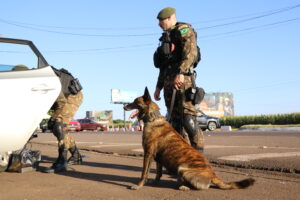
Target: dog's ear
{"type": "Point", "coordinates": [147, 97]}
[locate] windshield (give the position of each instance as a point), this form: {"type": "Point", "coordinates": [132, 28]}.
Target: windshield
{"type": "Point", "coordinates": [200, 113]}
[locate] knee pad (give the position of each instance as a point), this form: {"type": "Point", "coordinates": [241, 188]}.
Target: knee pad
{"type": "Point", "coordinates": [58, 130]}
{"type": "Point", "coordinates": [51, 123]}
{"type": "Point", "coordinates": [190, 125]}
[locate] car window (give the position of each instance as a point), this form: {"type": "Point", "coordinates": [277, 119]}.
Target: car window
{"type": "Point", "coordinates": [200, 113]}
{"type": "Point", "coordinates": [12, 55]}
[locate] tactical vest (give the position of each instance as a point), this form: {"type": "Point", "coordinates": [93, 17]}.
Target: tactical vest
{"type": "Point", "coordinates": [165, 55]}
{"type": "Point", "coordinates": [69, 84]}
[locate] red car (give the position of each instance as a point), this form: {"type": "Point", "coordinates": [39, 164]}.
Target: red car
{"type": "Point", "coordinates": [88, 124]}
{"type": "Point", "coordinates": [74, 125]}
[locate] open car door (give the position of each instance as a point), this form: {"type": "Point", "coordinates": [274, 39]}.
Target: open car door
{"type": "Point", "coordinates": [26, 95]}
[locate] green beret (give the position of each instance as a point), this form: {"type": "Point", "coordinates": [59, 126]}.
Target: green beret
{"type": "Point", "coordinates": [165, 13]}
{"type": "Point", "coordinates": [19, 67]}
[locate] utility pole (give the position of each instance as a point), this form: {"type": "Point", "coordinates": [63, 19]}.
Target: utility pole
{"type": "Point", "coordinates": [124, 104]}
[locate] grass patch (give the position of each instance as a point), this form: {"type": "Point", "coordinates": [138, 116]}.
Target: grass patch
{"type": "Point", "coordinates": [269, 125]}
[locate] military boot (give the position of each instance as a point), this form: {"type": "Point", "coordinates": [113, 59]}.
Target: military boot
{"type": "Point", "coordinates": [76, 158]}
{"type": "Point", "coordinates": [60, 164]}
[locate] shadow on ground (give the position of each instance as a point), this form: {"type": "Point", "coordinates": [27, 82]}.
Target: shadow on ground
{"type": "Point", "coordinates": [110, 178]}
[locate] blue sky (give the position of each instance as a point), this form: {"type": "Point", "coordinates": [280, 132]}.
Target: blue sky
{"type": "Point", "coordinates": [249, 48]}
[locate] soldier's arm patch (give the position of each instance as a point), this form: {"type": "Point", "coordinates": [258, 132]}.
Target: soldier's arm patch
{"type": "Point", "coordinates": [184, 30]}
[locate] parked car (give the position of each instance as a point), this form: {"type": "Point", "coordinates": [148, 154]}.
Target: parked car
{"type": "Point", "coordinates": [44, 125]}
{"type": "Point", "coordinates": [207, 122]}
{"type": "Point", "coordinates": [29, 92]}
{"type": "Point", "coordinates": [74, 125]}
{"type": "Point", "coordinates": [89, 124]}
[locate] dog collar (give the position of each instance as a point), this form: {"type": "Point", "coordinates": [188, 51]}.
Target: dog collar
{"type": "Point", "coordinates": [150, 117]}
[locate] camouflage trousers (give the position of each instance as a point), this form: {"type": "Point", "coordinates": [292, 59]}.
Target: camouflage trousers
{"type": "Point", "coordinates": [182, 107]}
{"type": "Point", "coordinates": [64, 110]}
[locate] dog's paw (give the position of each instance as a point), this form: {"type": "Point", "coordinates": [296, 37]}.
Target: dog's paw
{"type": "Point", "coordinates": [135, 187]}
{"type": "Point", "coordinates": [184, 188]}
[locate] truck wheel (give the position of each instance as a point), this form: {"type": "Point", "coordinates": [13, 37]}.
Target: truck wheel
{"type": "Point", "coordinates": [211, 126]}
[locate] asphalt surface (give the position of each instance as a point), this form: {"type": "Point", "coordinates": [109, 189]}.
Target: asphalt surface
{"type": "Point", "coordinates": [113, 163]}
{"type": "Point", "coordinates": [264, 150]}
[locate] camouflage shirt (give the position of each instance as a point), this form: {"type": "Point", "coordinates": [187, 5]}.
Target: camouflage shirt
{"type": "Point", "coordinates": [183, 37]}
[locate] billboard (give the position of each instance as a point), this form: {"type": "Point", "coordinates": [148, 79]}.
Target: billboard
{"type": "Point", "coordinates": [101, 116]}
{"type": "Point", "coordinates": [122, 96]}
{"type": "Point", "coordinates": [218, 104]}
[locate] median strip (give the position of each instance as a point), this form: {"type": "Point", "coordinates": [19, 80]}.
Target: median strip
{"type": "Point", "coordinates": [249, 157]}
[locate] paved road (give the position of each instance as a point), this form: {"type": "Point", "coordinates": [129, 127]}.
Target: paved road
{"type": "Point", "coordinates": [108, 175]}
{"type": "Point", "coordinates": [266, 150]}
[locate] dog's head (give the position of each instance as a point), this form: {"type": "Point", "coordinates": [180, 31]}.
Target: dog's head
{"type": "Point", "coordinates": [143, 104]}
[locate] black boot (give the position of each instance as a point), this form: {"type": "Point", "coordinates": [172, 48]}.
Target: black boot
{"type": "Point", "coordinates": [76, 158]}
{"type": "Point", "coordinates": [60, 164]}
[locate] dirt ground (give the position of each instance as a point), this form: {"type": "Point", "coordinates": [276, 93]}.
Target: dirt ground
{"type": "Point", "coordinates": [109, 176]}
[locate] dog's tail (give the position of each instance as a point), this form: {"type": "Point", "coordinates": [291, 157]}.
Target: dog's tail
{"type": "Point", "coordinates": [232, 185]}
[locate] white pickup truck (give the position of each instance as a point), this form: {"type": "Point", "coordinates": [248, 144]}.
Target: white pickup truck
{"type": "Point", "coordinates": [26, 95]}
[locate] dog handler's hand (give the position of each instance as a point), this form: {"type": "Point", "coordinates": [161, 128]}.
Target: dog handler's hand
{"type": "Point", "coordinates": [157, 94]}
{"type": "Point", "coordinates": [179, 79]}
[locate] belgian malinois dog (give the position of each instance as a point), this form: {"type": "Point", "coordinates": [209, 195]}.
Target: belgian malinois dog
{"type": "Point", "coordinates": [162, 143]}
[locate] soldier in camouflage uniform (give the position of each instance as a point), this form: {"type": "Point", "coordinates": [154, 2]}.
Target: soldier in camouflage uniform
{"type": "Point", "coordinates": [64, 109]}
{"type": "Point", "coordinates": [176, 67]}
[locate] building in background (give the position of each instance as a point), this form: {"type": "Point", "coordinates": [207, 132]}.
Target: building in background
{"type": "Point", "coordinates": [218, 104]}
{"type": "Point", "coordinates": [102, 116]}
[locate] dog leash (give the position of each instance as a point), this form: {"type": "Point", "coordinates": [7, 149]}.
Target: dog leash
{"type": "Point", "coordinates": [172, 104]}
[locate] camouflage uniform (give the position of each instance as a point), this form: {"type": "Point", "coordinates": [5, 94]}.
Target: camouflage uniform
{"type": "Point", "coordinates": [64, 109]}
{"type": "Point", "coordinates": [183, 57]}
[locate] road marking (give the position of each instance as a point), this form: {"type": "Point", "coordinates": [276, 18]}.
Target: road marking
{"type": "Point", "coordinates": [117, 145]}
{"type": "Point", "coordinates": [138, 150]}
{"type": "Point", "coordinates": [52, 141]}
{"type": "Point", "coordinates": [255, 147]}
{"type": "Point", "coordinates": [249, 157]}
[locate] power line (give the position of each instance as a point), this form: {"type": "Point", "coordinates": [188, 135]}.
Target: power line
{"type": "Point", "coordinates": [87, 50]}
{"type": "Point", "coordinates": [237, 17]}
{"type": "Point", "coordinates": [18, 24]}
{"type": "Point", "coordinates": [250, 28]}
{"type": "Point", "coordinates": [78, 28]}
{"type": "Point", "coordinates": [152, 44]}
{"type": "Point", "coordinates": [78, 34]}
{"type": "Point", "coordinates": [101, 49]}
{"type": "Point", "coordinates": [265, 13]}
{"type": "Point", "coordinates": [250, 19]}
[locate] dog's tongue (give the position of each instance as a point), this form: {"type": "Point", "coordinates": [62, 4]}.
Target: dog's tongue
{"type": "Point", "coordinates": [134, 114]}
